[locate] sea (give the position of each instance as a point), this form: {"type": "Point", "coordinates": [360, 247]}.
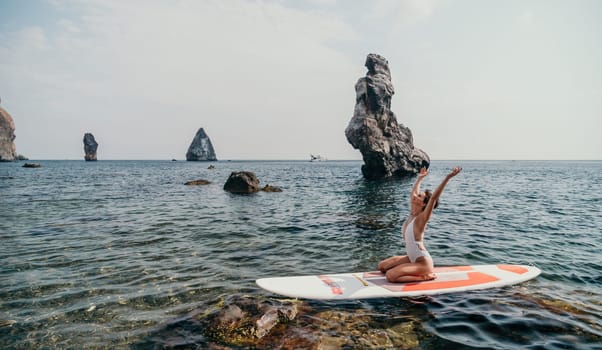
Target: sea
{"type": "Point", "coordinates": [123, 255]}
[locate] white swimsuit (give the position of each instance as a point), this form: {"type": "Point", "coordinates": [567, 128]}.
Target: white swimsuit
{"type": "Point", "coordinates": [415, 249]}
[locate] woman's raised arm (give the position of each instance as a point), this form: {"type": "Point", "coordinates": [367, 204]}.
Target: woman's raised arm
{"type": "Point", "coordinates": [435, 197]}
{"type": "Point", "coordinates": [416, 188]}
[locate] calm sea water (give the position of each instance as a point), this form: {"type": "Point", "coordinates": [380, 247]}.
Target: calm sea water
{"type": "Point", "coordinates": [108, 253]}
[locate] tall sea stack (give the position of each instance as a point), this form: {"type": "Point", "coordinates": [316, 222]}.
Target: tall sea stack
{"type": "Point", "coordinates": [387, 147]}
{"type": "Point", "coordinates": [8, 151]}
{"type": "Point", "coordinates": [90, 147]}
{"type": "Point", "coordinates": [201, 148]}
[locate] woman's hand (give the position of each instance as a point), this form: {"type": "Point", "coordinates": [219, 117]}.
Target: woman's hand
{"type": "Point", "coordinates": [423, 172]}
{"type": "Point", "coordinates": [455, 171]}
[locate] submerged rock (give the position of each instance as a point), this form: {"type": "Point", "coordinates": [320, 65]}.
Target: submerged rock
{"type": "Point", "coordinates": [201, 148]}
{"type": "Point", "coordinates": [257, 322]}
{"type": "Point", "coordinates": [270, 188]}
{"type": "Point", "coordinates": [374, 222]}
{"type": "Point", "coordinates": [31, 165]}
{"type": "Point", "coordinates": [364, 331]}
{"type": "Point", "coordinates": [387, 147]}
{"type": "Point", "coordinates": [244, 321]}
{"type": "Point", "coordinates": [197, 182]}
{"type": "Point", "coordinates": [8, 152]}
{"type": "Point", "coordinates": [342, 329]}
{"type": "Point", "coordinates": [90, 147]}
{"type": "Point", "coordinates": [7, 323]}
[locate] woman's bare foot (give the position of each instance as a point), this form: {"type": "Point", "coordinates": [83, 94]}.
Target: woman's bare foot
{"type": "Point", "coordinates": [429, 276]}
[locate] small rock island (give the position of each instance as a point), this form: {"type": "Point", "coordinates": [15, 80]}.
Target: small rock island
{"type": "Point", "coordinates": [246, 182]}
{"type": "Point", "coordinates": [201, 148]}
{"type": "Point", "coordinates": [387, 147]}
{"type": "Point", "coordinates": [90, 147]}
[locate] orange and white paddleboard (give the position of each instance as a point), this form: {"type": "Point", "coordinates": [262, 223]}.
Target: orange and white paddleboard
{"type": "Point", "coordinates": [364, 285]}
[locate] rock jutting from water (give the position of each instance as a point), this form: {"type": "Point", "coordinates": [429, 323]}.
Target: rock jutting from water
{"type": "Point", "coordinates": [242, 182]}
{"type": "Point", "coordinates": [245, 182]}
{"type": "Point", "coordinates": [201, 148]}
{"type": "Point", "coordinates": [8, 151]}
{"type": "Point", "coordinates": [90, 147]}
{"type": "Point", "coordinates": [387, 147]}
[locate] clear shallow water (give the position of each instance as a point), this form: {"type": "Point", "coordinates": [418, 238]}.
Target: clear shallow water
{"type": "Point", "coordinates": [106, 254]}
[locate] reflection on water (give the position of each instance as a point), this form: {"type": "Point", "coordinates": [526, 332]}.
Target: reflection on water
{"type": "Point", "coordinates": [122, 254]}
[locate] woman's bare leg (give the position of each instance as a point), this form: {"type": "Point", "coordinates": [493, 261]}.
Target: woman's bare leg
{"type": "Point", "coordinates": [421, 270]}
{"type": "Point", "coordinates": [420, 278]}
{"type": "Point", "coordinates": [391, 262]}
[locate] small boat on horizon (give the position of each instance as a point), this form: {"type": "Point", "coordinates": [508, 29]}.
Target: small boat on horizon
{"type": "Point", "coordinates": [317, 158]}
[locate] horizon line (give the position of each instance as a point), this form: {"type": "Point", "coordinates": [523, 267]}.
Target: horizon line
{"type": "Point", "coordinates": [297, 159]}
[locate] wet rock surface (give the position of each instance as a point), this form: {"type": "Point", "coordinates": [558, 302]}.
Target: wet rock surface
{"type": "Point", "coordinates": [246, 182]}
{"type": "Point", "coordinates": [242, 182]}
{"type": "Point", "coordinates": [255, 322]}
{"type": "Point", "coordinates": [344, 329]}
{"type": "Point", "coordinates": [232, 322]}
{"type": "Point", "coordinates": [387, 147]}
{"type": "Point", "coordinates": [246, 320]}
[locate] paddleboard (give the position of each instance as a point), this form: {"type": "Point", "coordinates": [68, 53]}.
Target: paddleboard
{"type": "Point", "coordinates": [364, 285]}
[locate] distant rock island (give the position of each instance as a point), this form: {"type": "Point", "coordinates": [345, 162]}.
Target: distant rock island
{"type": "Point", "coordinates": [8, 151]}
{"type": "Point", "coordinates": [387, 147]}
{"type": "Point", "coordinates": [201, 148]}
{"type": "Point", "coordinates": [90, 147]}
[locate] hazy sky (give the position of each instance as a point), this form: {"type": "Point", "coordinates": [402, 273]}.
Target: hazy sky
{"type": "Point", "coordinates": [275, 79]}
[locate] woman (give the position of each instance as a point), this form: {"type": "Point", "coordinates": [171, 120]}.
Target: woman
{"type": "Point", "coordinates": [418, 264]}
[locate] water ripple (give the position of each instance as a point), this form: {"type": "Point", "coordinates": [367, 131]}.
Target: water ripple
{"type": "Point", "coordinates": [115, 254]}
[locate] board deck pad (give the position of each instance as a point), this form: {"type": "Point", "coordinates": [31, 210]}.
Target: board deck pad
{"type": "Point", "coordinates": [373, 284]}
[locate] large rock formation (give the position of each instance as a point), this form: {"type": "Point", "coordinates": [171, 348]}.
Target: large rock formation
{"type": "Point", "coordinates": [8, 151]}
{"type": "Point", "coordinates": [201, 148]}
{"type": "Point", "coordinates": [386, 146]}
{"type": "Point", "coordinates": [90, 147]}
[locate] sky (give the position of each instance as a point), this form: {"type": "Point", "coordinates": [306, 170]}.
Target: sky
{"type": "Point", "coordinates": [473, 79]}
